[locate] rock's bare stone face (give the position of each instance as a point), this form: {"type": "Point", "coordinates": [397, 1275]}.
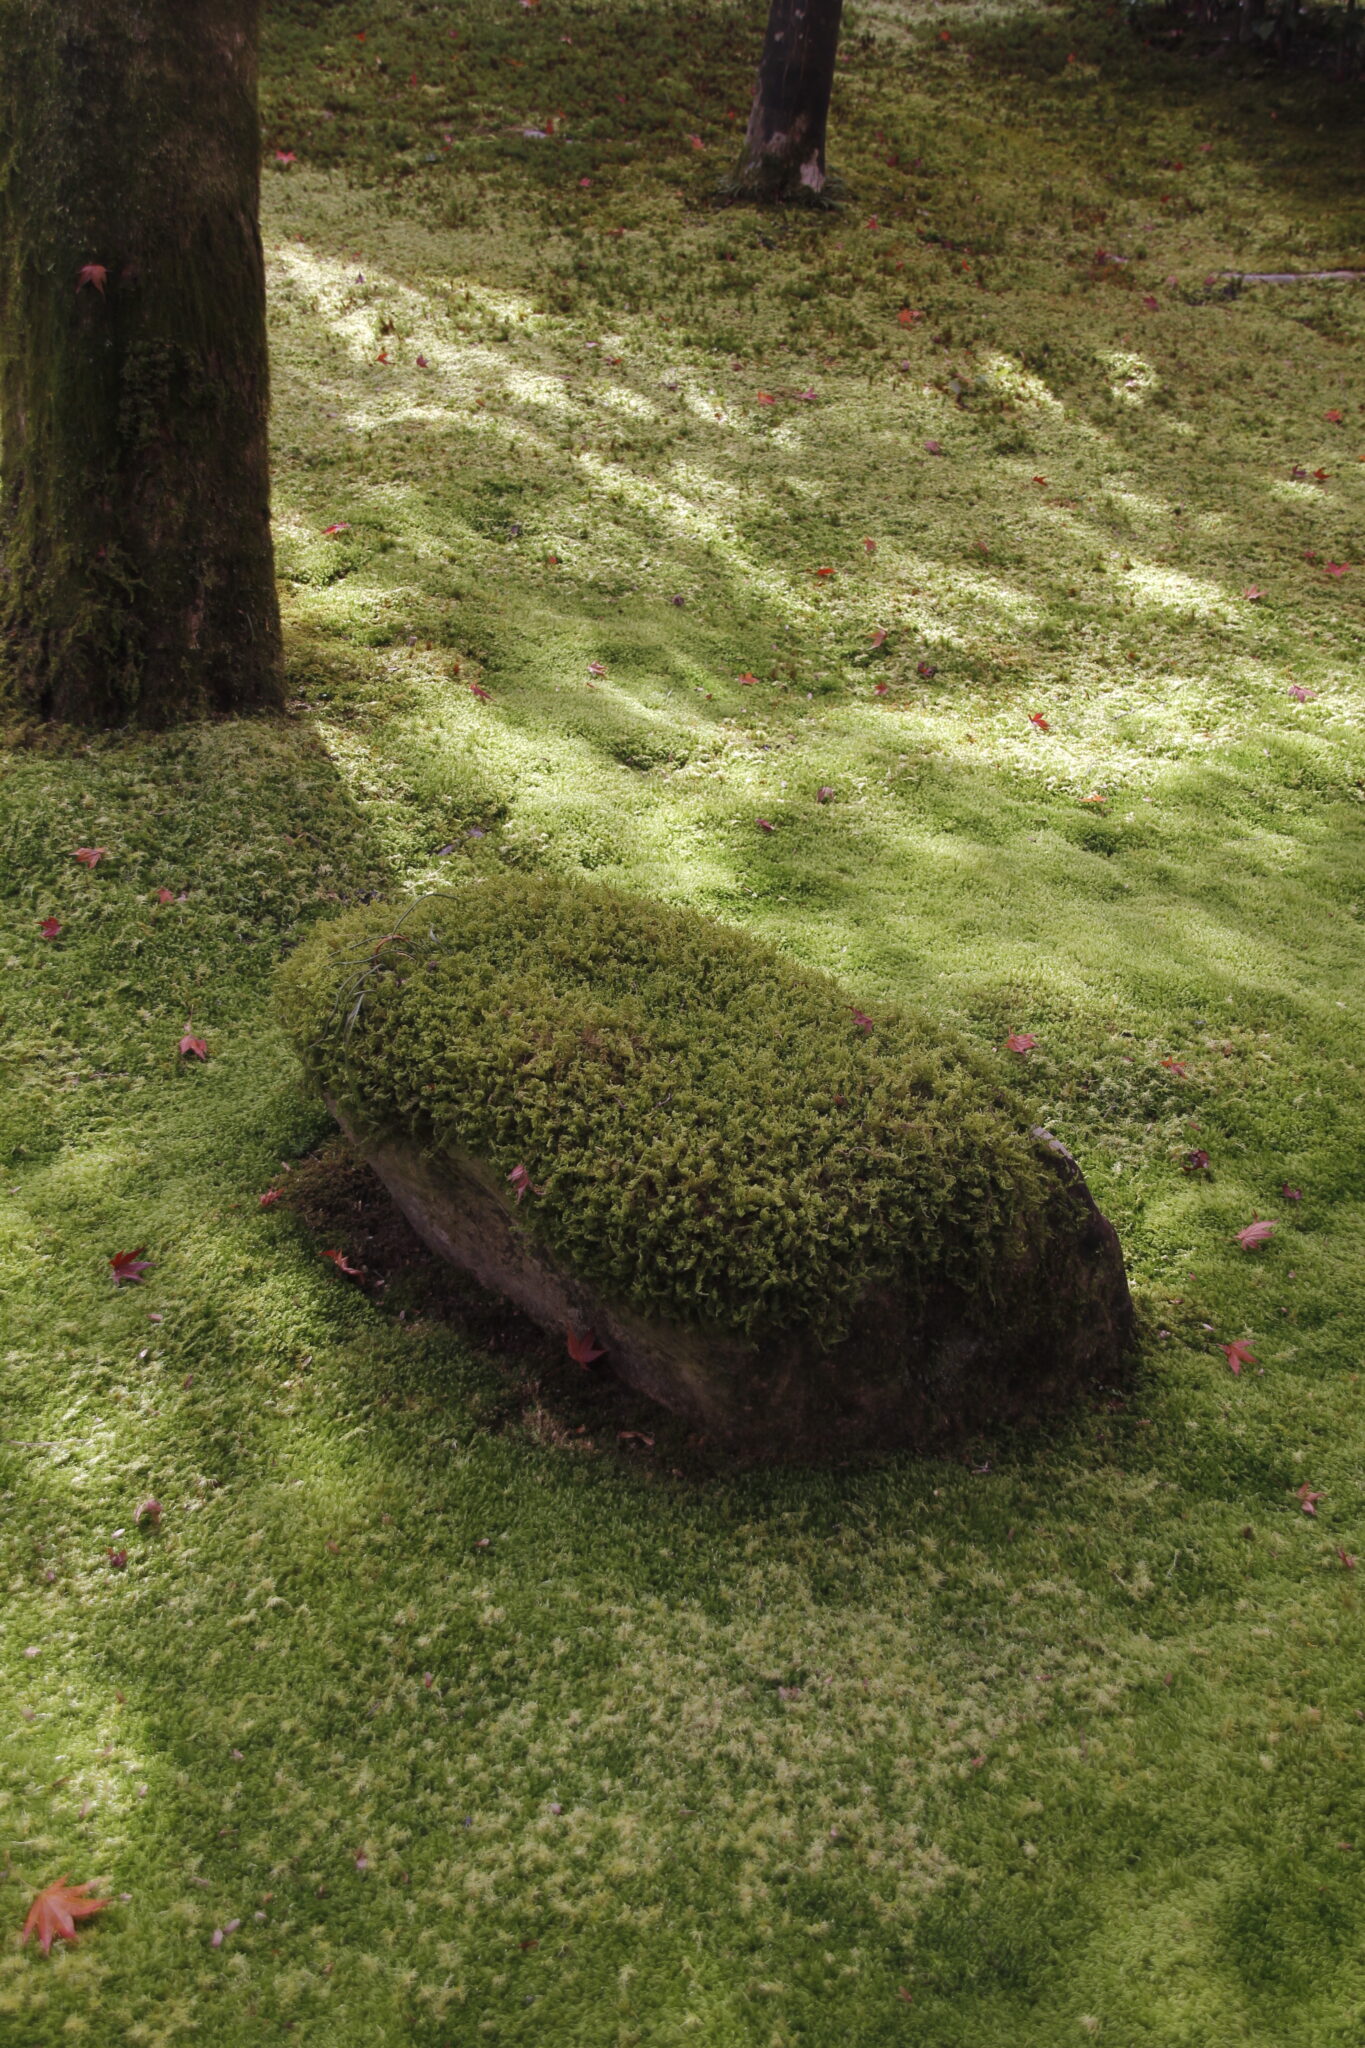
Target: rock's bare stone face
{"type": "Point", "coordinates": [1058, 1320]}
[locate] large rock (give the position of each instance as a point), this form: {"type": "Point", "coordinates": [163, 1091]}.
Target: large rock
{"type": "Point", "coordinates": [809, 1230]}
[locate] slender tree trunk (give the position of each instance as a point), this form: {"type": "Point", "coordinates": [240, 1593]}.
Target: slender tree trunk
{"type": "Point", "coordinates": [784, 146]}
{"type": "Point", "coordinates": [136, 570]}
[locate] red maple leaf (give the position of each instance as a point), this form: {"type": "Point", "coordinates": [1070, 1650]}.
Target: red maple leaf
{"type": "Point", "coordinates": [880, 689]}
{"type": "Point", "coordinates": [933, 448]}
{"type": "Point", "coordinates": [285, 156]}
{"type": "Point", "coordinates": [1176, 1067]}
{"type": "Point", "coordinates": [1300, 695]}
{"type": "Point", "coordinates": [1196, 1162]}
{"type": "Point", "coordinates": [825, 793]}
{"type": "Point", "coordinates": [49, 927]}
{"type": "Point", "coordinates": [747, 678]}
{"type": "Point", "coordinates": [1334, 417]}
{"type": "Point", "coordinates": [522, 1182]}
{"type": "Point", "coordinates": [269, 1198]}
{"type": "Point", "coordinates": [165, 895]}
{"type": "Point", "coordinates": [92, 273]}
{"type": "Point", "coordinates": [90, 856]}
{"type": "Point", "coordinates": [1237, 1355]}
{"type": "Point", "coordinates": [1347, 1560]}
{"type": "Point", "coordinates": [57, 1908]}
{"type": "Point", "coordinates": [1308, 1500]}
{"type": "Point", "coordinates": [149, 1511]}
{"type": "Point", "coordinates": [130, 1268]}
{"type": "Point", "coordinates": [824, 572]}
{"type": "Point", "coordinates": [870, 545]}
{"type": "Point", "coordinates": [118, 1560]}
{"type": "Point", "coordinates": [191, 1047]}
{"type": "Point", "coordinates": [595, 668]}
{"type": "Point", "coordinates": [343, 1265]}
{"type": "Point", "coordinates": [1037, 718]}
{"type": "Point", "coordinates": [341, 526]}
{"type": "Point", "coordinates": [582, 1349]}
{"type": "Point", "coordinates": [696, 142]}
{"type": "Point", "coordinates": [1040, 480]}
{"type": "Point", "coordinates": [764, 826]}
{"type": "Point", "coordinates": [1255, 1234]}
{"type": "Point", "coordinates": [1095, 797]}
{"type": "Point", "coordinates": [1290, 1194]}
{"type": "Point", "coordinates": [766, 398]}
{"type": "Point", "coordinates": [908, 315]}
{"type": "Point", "coordinates": [1255, 593]}
{"type": "Point", "coordinates": [862, 1020]}
{"type": "Point", "coordinates": [1020, 1042]}
{"type": "Point", "coordinates": [1337, 568]}
{"type": "Point", "coordinates": [1149, 303]}
{"type": "Point", "coordinates": [477, 690]}
{"type": "Point", "coordinates": [925, 669]}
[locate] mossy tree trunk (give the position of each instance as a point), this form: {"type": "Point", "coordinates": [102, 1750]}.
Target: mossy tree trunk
{"type": "Point", "coordinates": [136, 569]}
{"type": "Point", "coordinates": [784, 145]}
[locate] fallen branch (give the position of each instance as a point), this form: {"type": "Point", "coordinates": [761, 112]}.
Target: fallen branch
{"type": "Point", "coordinates": [1293, 276]}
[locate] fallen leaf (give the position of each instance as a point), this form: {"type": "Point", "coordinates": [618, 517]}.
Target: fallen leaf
{"type": "Point", "coordinates": [49, 927]}
{"type": "Point", "coordinates": [582, 1350]}
{"type": "Point", "coordinates": [118, 1560]}
{"type": "Point", "coordinates": [192, 1048]}
{"type": "Point", "coordinates": [908, 315]}
{"type": "Point", "coordinates": [1196, 1162]}
{"type": "Point", "coordinates": [764, 826]}
{"type": "Point", "coordinates": [1020, 1042]}
{"type": "Point", "coordinates": [1040, 480]}
{"type": "Point", "coordinates": [341, 526]}
{"type": "Point", "coordinates": [634, 1436]}
{"type": "Point", "coordinates": [148, 1511]}
{"type": "Point", "coordinates": [933, 448]}
{"type": "Point", "coordinates": [1237, 1355]}
{"type": "Point", "coordinates": [130, 1268]}
{"type": "Point", "coordinates": [285, 156]}
{"type": "Point", "coordinates": [1254, 593]}
{"type": "Point", "coordinates": [766, 398]}
{"type": "Point", "coordinates": [748, 678]}
{"type": "Point", "coordinates": [269, 1198]}
{"type": "Point", "coordinates": [1255, 1234]}
{"type": "Point", "coordinates": [925, 669]}
{"type": "Point", "coordinates": [477, 690]}
{"type": "Point", "coordinates": [878, 636]}
{"type": "Point", "coordinates": [57, 1908]}
{"type": "Point", "coordinates": [1350, 1565]}
{"type": "Point", "coordinates": [343, 1264]}
{"type": "Point", "coordinates": [383, 356]}
{"type": "Point", "coordinates": [1094, 798]}
{"type": "Point", "coordinates": [165, 895]}
{"type": "Point", "coordinates": [1037, 718]}
{"type": "Point", "coordinates": [1300, 695]}
{"type": "Point", "coordinates": [1308, 1500]}
{"type": "Point", "coordinates": [825, 793]}
{"type": "Point", "coordinates": [1149, 304]}
{"type": "Point", "coordinates": [90, 856]}
{"type": "Point", "coordinates": [862, 1020]}
{"type": "Point", "coordinates": [870, 546]}
{"type": "Point", "coordinates": [880, 689]}
{"type": "Point", "coordinates": [1176, 1067]}
{"type": "Point", "coordinates": [1333, 417]}
{"type": "Point", "coordinates": [595, 668]}
{"type": "Point", "coordinates": [824, 572]}
{"type": "Point", "coordinates": [696, 142]}
{"type": "Point", "coordinates": [522, 1182]}
{"type": "Point", "coordinates": [1290, 1194]}
{"type": "Point", "coordinates": [1337, 568]}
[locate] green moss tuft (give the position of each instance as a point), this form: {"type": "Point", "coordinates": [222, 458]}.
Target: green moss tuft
{"type": "Point", "coordinates": [717, 1137]}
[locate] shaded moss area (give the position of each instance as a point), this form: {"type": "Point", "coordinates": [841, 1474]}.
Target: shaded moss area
{"type": "Point", "coordinates": [713, 1134]}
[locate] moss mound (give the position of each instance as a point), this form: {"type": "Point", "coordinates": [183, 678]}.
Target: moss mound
{"type": "Point", "coordinates": [712, 1134]}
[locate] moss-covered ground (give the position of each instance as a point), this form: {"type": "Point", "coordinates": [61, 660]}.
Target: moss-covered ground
{"type": "Point", "coordinates": [433, 1711]}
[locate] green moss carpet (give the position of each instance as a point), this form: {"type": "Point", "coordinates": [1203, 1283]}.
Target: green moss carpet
{"type": "Point", "coordinates": [961, 590]}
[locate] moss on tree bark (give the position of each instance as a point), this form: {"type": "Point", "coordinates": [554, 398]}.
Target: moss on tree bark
{"type": "Point", "coordinates": [784, 144]}
{"type": "Point", "coordinates": [136, 569]}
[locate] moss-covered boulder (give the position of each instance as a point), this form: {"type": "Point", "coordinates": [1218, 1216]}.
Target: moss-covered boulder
{"type": "Point", "coordinates": [807, 1228]}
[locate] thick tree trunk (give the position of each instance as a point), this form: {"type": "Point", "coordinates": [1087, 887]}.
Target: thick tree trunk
{"type": "Point", "coordinates": [136, 570]}
{"type": "Point", "coordinates": [784, 146]}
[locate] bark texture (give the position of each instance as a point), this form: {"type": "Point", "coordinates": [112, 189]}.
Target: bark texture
{"type": "Point", "coordinates": [784, 145]}
{"type": "Point", "coordinates": [136, 569]}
